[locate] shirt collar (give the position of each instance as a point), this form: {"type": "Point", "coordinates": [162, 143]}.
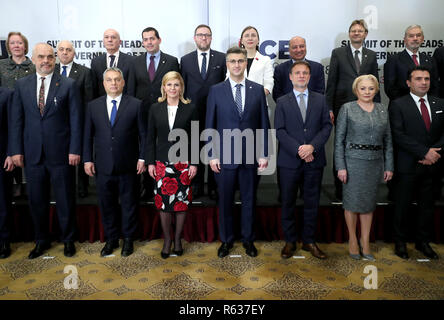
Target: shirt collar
{"type": "Point", "coordinates": [199, 52]}
{"type": "Point", "coordinates": [297, 93]}
{"type": "Point", "coordinates": [116, 54]}
{"type": "Point", "coordinates": [353, 49]}
{"type": "Point", "coordinates": [47, 77]}
{"type": "Point", "coordinates": [234, 83]}
{"type": "Point", "coordinates": [156, 55]}
{"type": "Point", "coordinates": [416, 98]}
{"type": "Point", "coordinates": [109, 99]}
{"type": "Point", "coordinates": [69, 65]}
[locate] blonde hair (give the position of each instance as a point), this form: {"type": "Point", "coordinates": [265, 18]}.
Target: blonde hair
{"type": "Point", "coordinates": [173, 75]}
{"type": "Point", "coordinates": [365, 77]}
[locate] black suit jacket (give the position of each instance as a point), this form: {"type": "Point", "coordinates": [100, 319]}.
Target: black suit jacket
{"type": "Point", "coordinates": [197, 88]}
{"type": "Point", "coordinates": [342, 72]}
{"type": "Point", "coordinates": [157, 143]}
{"type": "Point", "coordinates": [118, 148]}
{"type": "Point", "coordinates": [82, 76]}
{"type": "Point", "coordinates": [98, 67]}
{"type": "Point", "coordinates": [438, 55]}
{"type": "Point", "coordinates": [411, 140]}
{"type": "Point", "coordinates": [395, 74]}
{"type": "Point", "coordinates": [140, 83]}
{"type": "Point", "coordinates": [282, 82]}
{"type": "Point", "coordinates": [5, 103]}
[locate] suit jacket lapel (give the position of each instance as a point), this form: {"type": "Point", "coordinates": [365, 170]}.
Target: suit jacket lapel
{"type": "Point", "coordinates": [248, 93]}
{"type": "Point", "coordinates": [416, 114]}
{"type": "Point", "coordinates": [104, 112]}
{"type": "Point", "coordinates": [179, 115]}
{"type": "Point", "coordinates": [364, 57]}
{"type": "Point", "coordinates": [294, 106]}
{"type": "Point", "coordinates": [32, 91]}
{"type": "Point", "coordinates": [350, 58]}
{"type": "Point", "coordinates": [406, 59]}
{"type": "Point", "coordinates": [51, 100]}
{"type": "Point", "coordinates": [309, 106]}
{"type": "Point", "coordinates": [160, 67]}
{"type": "Point", "coordinates": [74, 74]}
{"type": "Point", "coordinates": [229, 93]}
{"type": "Point", "coordinates": [210, 63]}
{"type": "Point", "coordinates": [121, 109]}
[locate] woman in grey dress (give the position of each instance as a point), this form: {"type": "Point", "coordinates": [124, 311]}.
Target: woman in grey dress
{"type": "Point", "coordinates": [363, 155]}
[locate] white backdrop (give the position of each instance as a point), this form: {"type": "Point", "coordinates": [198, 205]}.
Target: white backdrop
{"type": "Point", "coordinates": [324, 24]}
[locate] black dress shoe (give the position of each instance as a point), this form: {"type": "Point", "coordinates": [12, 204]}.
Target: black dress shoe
{"type": "Point", "coordinates": [425, 248]}
{"type": "Point", "coordinates": [127, 248]}
{"type": "Point", "coordinates": [250, 249]}
{"type": "Point", "coordinates": [5, 250]}
{"type": "Point", "coordinates": [164, 255]}
{"type": "Point", "coordinates": [70, 249]}
{"type": "Point", "coordinates": [224, 249]}
{"type": "Point", "coordinates": [38, 250]}
{"type": "Point", "coordinates": [109, 247]}
{"type": "Point", "coordinates": [401, 250]}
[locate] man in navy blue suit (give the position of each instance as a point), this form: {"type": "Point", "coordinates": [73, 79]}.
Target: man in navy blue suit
{"type": "Point", "coordinates": [115, 130]}
{"type": "Point", "coordinates": [303, 126]}
{"type": "Point", "coordinates": [5, 175]}
{"type": "Point", "coordinates": [237, 105]}
{"type": "Point", "coordinates": [46, 130]}
{"type": "Point", "coordinates": [297, 49]}
{"type": "Point", "coordinates": [200, 70]}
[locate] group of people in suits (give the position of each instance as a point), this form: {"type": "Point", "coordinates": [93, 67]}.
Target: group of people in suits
{"type": "Point", "coordinates": [116, 118]}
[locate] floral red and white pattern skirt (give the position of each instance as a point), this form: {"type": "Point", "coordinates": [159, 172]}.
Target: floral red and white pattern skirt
{"type": "Point", "coordinates": [173, 187]}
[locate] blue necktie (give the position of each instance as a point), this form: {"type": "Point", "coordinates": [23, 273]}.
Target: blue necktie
{"type": "Point", "coordinates": [113, 112]}
{"type": "Point", "coordinates": [238, 98]}
{"type": "Point", "coordinates": [64, 71]}
{"type": "Point", "coordinates": [203, 70]}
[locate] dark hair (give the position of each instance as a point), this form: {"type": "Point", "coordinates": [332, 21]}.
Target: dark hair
{"type": "Point", "coordinates": [305, 63]}
{"type": "Point", "coordinates": [242, 34]}
{"type": "Point", "coordinates": [202, 26]}
{"type": "Point", "coordinates": [416, 68]}
{"type": "Point", "coordinates": [236, 50]}
{"type": "Point", "coordinates": [156, 33]}
{"type": "Point", "coordinates": [361, 22]}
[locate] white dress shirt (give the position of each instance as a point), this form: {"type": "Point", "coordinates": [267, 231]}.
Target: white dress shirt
{"type": "Point", "coordinates": [411, 54]}
{"type": "Point", "coordinates": [172, 111]}
{"type": "Point", "coordinates": [68, 68]}
{"type": "Point", "coordinates": [359, 54]}
{"type": "Point", "coordinates": [109, 104]}
{"type": "Point", "coordinates": [418, 104]}
{"type": "Point", "coordinates": [47, 84]}
{"type": "Point", "coordinates": [298, 99]}
{"type": "Point", "coordinates": [233, 89]}
{"type": "Point", "coordinates": [200, 58]}
{"type": "Point", "coordinates": [116, 59]}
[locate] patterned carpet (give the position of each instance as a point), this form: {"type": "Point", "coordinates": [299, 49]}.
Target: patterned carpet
{"type": "Point", "coordinates": [200, 275]}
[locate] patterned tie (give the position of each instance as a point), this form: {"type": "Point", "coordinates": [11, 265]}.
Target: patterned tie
{"type": "Point", "coordinates": [425, 114]}
{"type": "Point", "coordinates": [42, 96]}
{"type": "Point", "coordinates": [151, 69]}
{"type": "Point", "coordinates": [302, 106]}
{"type": "Point", "coordinates": [203, 70]}
{"type": "Point", "coordinates": [415, 60]}
{"type": "Point", "coordinates": [112, 118]}
{"type": "Point", "coordinates": [111, 63]}
{"type": "Point", "coordinates": [357, 62]}
{"type": "Point", "coordinates": [64, 73]}
{"type": "Point", "coordinates": [238, 98]}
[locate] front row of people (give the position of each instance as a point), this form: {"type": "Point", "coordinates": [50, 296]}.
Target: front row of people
{"type": "Point", "coordinates": [46, 137]}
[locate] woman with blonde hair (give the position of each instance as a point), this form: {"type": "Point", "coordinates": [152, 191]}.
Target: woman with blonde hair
{"type": "Point", "coordinates": [173, 177]}
{"type": "Point", "coordinates": [363, 155]}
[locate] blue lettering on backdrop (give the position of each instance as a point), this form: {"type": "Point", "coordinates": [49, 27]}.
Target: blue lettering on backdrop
{"type": "Point", "coordinates": [283, 49]}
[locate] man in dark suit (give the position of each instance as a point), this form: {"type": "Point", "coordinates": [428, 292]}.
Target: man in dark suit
{"type": "Point", "coordinates": [46, 129]}
{"type": "Point", "coordinates": [346, 64]}
{"type": "Point", "coordinates": [303, 126]}
{"type": "Point", "coordinates": [5, 176]}
{"type": "Point", "coordinates": [3, 51]}
{"type": "Point", "coordinates": [146, 80]}
{"type": "Point", "coordinates": [397, 66]}
{"type": "Point", "coordinates": [114, 128]}
{"type": "Point", "coordinates": [297, 49]}
{"type": "Point", "coordinates": [417, 123]}
{"type": "Point", "coordinates": [112, 58]}
{"type": "Point", "coordinates": [438, 55]}
{"type": "Point", "coordinates": [236, 105]}
{"type": "Point", "coordinates": [200, 70]}
{"type": "Point", "coordinates": [82, 76]}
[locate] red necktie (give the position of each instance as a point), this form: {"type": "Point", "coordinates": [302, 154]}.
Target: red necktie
{"type": "Point", "coordinates": [415, 60]}
{"type": "Point", "coordinates": [42, 96]}
{"type": "Point", "coordinates": [425, 114]}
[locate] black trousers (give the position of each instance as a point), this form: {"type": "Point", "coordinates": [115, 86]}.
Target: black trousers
{"type": "Point", "coordinates": [5, 203]}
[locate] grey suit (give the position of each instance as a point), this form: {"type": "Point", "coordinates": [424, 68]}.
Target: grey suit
{"type": "Point", "coordinates": [356, 127]}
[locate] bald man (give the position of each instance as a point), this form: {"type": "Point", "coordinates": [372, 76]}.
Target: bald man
{"type": "Point", "coordinates": [297, 49]}
{"type": "Point", "coordinates": [82, 76]}
{"type": "Point", "coordinates": [46, 134]}
{"type": "Point", "coordinates": [112, 58]}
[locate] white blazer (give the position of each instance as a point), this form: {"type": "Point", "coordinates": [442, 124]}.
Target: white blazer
{"type": "Point", "coordinates": [261, 71]}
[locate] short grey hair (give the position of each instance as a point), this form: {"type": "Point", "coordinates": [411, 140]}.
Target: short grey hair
{"type": "Point", "coordinates": [72, 45]}
{"type": "Point", "coordinates": [412, 27]}
{"type": "Point", "coordinates": [113, 69]}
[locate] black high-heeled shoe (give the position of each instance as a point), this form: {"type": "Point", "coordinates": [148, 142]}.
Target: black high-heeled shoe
{"type": "Point", "coordinates": [164, 255]}
{"type": "Point", "coordinates": [178, 252]}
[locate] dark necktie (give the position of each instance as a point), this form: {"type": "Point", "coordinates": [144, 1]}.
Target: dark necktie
{"type": "Point", "coordinates": [425, 114]}
{"type": "Point", "coordinates": [42, 96]}
{"type": "Point", "coordinates": [238, 98]}
{"type": "Point", "coordinates": [151, 69]}
{"type": "Point", "coordinates": [64, 73]}
{"type": "Point", "coordinates": [357, 62]}
{"type": "Point", "coordinates": [302, 106]}
{"type": "Point", "coordinates": [415, 60]}
{"type": "Point", "coordinates": [203, 70]}
{"type": "Point", "coordinates": [111, 63]}
{"type": "Point", "coordinates": [112, 118]}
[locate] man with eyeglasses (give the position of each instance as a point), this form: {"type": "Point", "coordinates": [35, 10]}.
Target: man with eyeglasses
{"type": "Point", "coordinates": [146, 80]}
{"type": "Point", "coordinates": [200, 70]}
{"type": "Point", "coordinates": [237, 109]}
{"type": "Point", "coordinates": [346, 64]}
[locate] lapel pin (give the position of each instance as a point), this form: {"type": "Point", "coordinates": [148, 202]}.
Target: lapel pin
{"type": "Point", "coordinates": [57, 84]}
{"type": "Point", "coordinates": [257, 59]}
{"type": "Point", "coordinates": [163, 61]}
{"type": "Point", "coordinates": [251, 87]}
